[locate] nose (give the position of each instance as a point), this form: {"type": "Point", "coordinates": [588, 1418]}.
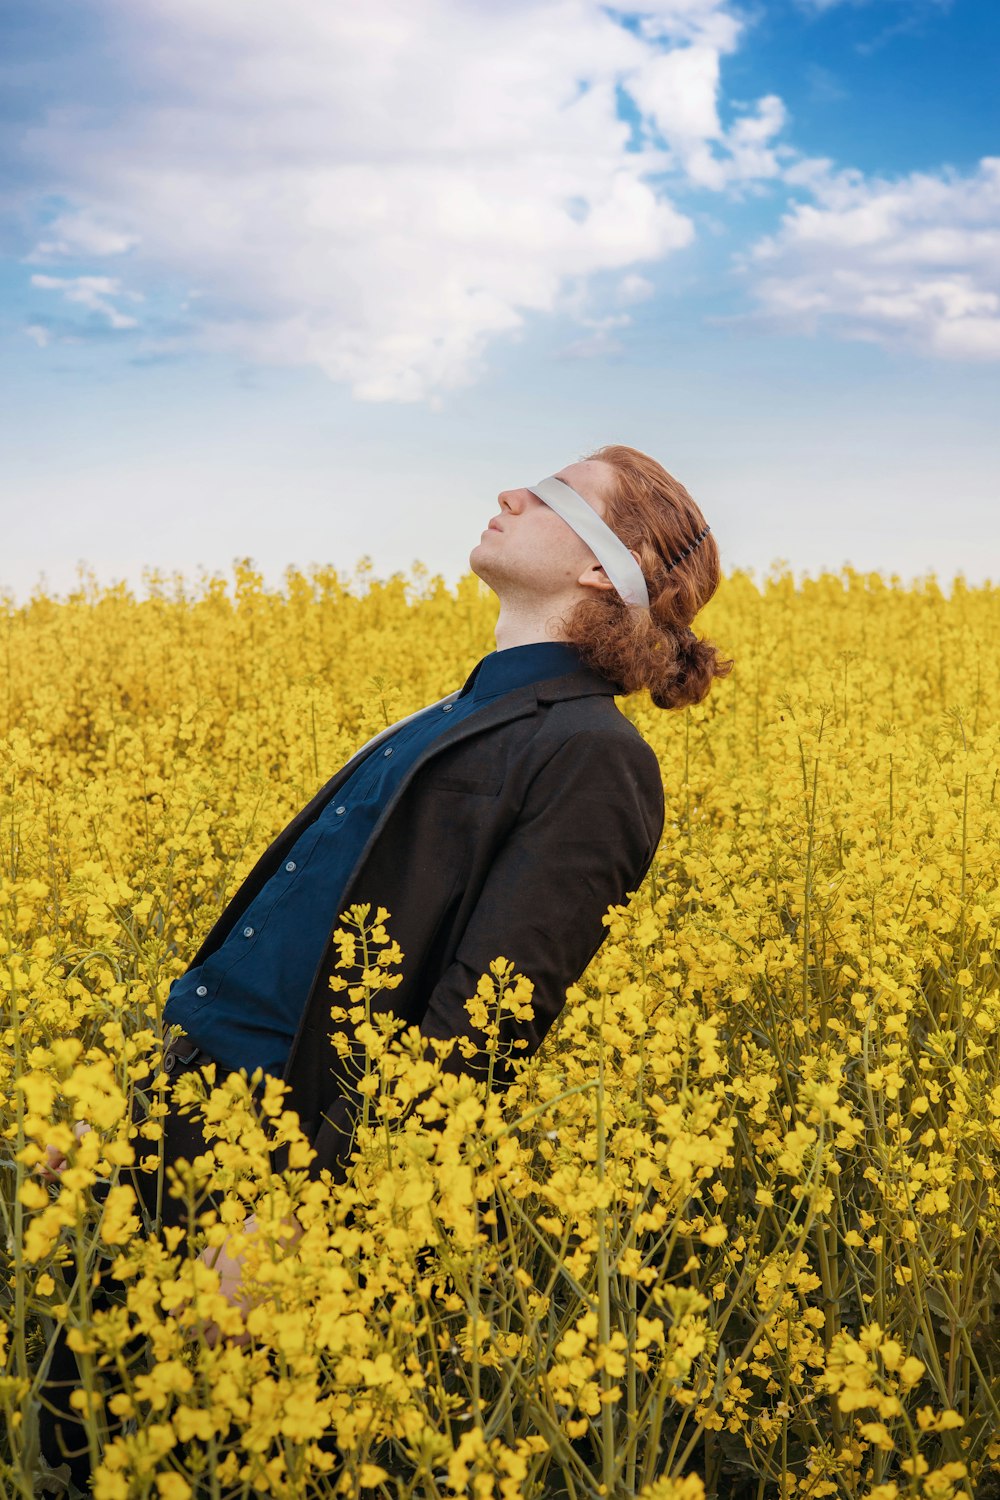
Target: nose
{"type": "Point", "coordinates": [514, 500]}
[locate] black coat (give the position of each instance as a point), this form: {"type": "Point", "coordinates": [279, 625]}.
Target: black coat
{"type": "Point", "coordinates": [510, 836]}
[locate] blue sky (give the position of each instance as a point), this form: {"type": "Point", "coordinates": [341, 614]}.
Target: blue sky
{"type": "Point", "coordinates": [313, 282]}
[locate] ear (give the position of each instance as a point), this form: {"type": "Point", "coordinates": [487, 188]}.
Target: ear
{"type": "Point", "coordinates": [595, 576]}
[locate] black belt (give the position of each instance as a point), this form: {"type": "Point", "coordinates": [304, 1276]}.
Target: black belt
{"type": "Point", "coordinates": [182, 1051]}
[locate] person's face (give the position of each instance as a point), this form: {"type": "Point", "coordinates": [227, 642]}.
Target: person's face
{"type": "Point", "coordinates": [527, 547]}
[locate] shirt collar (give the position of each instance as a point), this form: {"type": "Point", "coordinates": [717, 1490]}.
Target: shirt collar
{"type": "Point", "coordinates": [516, 666]}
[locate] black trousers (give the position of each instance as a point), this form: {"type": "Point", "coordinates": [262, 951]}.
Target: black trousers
{"type": "Point", "coordinates": [62, 1435]}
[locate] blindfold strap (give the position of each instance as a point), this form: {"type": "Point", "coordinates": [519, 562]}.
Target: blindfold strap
{"type": "Point", "coordinates": [610, 551]}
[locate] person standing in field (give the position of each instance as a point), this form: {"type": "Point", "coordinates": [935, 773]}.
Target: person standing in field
{"type": "Point", "coordinates": [504, 819]}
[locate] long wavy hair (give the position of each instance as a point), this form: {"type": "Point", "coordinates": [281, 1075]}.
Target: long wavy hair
{"type": "Point", "coordinates": [655, 516]}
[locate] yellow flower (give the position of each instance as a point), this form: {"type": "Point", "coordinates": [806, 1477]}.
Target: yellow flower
{"type": "Point", "coordinates": [715, 1234]}
{"type": "Point", "coordinates": [804, 992]}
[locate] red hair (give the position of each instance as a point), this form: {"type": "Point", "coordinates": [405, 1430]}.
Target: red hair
{"type": "Point", "coordinates": [654, 515]}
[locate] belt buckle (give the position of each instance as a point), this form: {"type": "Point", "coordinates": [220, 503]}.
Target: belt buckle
{"type": "Point", "coordinates": [171, 1057]}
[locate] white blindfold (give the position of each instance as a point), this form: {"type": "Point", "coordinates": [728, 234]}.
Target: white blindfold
{"type": "Point", "coordinates": [610, 551]}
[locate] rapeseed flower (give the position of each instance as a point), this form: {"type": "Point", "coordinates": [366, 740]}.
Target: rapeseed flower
{"type": "Point", "coordinates": [739, 1216]}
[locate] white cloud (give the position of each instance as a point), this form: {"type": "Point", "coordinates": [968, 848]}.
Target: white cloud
{"type": "Point", "coordinates": [911, 263]}
{"type": "Point", "coordinates": [749, 142]}
{"type": "Point", "coordinates": [689, 21]}
{"type": "Point", "coordinates": [380, 190]}
{"type": "Point", "coordinates": [93, 293]}
{"type": "Point", "coordinates": [633, 288]}
{"type": "Point", "coordinates": [601, 341]}
{"type": "Point", "coordinates": [678, 91]}
{"type": "Point", "coordinates": [79, 234]}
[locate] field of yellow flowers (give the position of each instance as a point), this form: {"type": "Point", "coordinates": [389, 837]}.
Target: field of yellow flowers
{"type": "Point", "coordinates": [735, 1231]}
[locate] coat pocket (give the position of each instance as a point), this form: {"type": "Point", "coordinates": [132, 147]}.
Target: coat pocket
{"type": "Point", "coordinates": [452, 781]}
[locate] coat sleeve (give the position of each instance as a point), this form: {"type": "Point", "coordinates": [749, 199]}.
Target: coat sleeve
{"type": "Point", "coordinates": [584, 840]}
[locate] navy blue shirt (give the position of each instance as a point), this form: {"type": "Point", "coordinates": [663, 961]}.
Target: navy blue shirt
{"type": "Point", "coordinates": [244, 1002]}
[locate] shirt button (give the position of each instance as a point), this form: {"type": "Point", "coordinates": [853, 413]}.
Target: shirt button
{"type": "Point", "coordinates": [290, 865]}
{"type": "Point", "coordinates": [340, 810]}
{"type": "Point", "coordinates": [202, 989]}
{"type": "Point", "coordinates": [446, 708]}
{"type": "Point", "coordinates": [387, 752]}
{"type": "Point", "coordinates": [248, 932]}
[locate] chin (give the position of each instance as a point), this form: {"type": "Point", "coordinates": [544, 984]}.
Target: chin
{"type": "Point", "coordinates": [483, 567]}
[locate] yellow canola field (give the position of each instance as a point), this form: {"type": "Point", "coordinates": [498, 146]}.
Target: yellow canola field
{"type": "Point", "coordinates": [734, 1231]}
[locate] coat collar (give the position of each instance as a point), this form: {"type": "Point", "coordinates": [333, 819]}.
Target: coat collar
{"type": "Point", "coordinates": [579, 683]}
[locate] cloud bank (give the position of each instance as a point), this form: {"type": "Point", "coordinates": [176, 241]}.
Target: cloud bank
{"type": "Point", "coordinates": [380, 191]}
{"type": "Point", "coordinates": [912, 263]}
{"type": "Point", "coordinates": [385, 191]}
